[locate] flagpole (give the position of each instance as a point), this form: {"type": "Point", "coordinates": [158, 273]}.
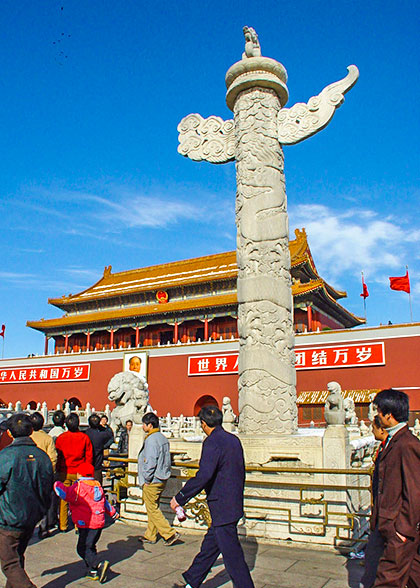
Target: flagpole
{"type": "Point", "coordinates": [409, 298]}
{"type": "Point", "coordinates": [364, 297]}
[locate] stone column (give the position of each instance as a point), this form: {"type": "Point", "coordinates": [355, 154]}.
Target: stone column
{"type": "Point", "coordinates": [257, 93]}
{"type": "Point", "coordinates": [267, 381]}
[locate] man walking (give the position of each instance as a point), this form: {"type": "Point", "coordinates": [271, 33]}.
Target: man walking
{"type": "Point", "coordinates": [396, 511]}
{"type": "Point", "coordinates": [154, 470]}
{"type": "Point", "coordinates": [222, 475]}
{"type": "Point", "coordinates": [73, 449]}
{"type": "Point", "coordinates": [101, 438]}
{"type": "Point", "coordinates": [26, 480]}
{"type": "Point", "coordinates": [375, 544]}
{"type": "Point", "coordinates": [46, 443]}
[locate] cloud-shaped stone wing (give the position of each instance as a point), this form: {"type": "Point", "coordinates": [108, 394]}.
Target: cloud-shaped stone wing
{"type": "Point", "coordinates": [210, 139]}
{"type": "Point", "coordinates": [303, 120]}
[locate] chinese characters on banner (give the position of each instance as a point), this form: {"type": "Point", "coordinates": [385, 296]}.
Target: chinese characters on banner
{"type": "Point", "coordinates": [45, 373]}
{"type": "Point", "coordinates": [312, 358]}
{"type": "Point", "coordinates": [309, 358]}
{"type": "Point", "coordinates": [225, 363]}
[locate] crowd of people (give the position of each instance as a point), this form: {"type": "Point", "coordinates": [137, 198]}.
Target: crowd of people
{"type": "Point", "coordinates": [37, 469]}
{"type": "Point", "coordinates": [41, 474]}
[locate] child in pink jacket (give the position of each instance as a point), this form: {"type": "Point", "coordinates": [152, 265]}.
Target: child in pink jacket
{"type": "Point", "coordinates": [88, 505]}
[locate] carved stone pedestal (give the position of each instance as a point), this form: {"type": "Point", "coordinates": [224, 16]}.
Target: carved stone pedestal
{"type": "Point", "coordinates": [299, 503]}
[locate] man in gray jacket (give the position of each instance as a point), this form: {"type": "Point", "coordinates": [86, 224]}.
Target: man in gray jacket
{"type": "Point", "coordinates": [154, 470]}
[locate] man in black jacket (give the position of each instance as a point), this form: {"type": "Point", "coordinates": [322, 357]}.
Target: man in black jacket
{"type": "Point", "coordinates": [26, 480]}
{"type": "Point", "coordinates": [222, 475]}
{"type": "Point", "coordinates": [101, 438]}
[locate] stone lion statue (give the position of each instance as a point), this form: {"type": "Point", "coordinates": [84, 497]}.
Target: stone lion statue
{"type": "Point", "coordinates": [334, 405]}
{"type": "Point", "coordinates": [131, 396]}
{"type": "Point", "coordinates": [350, 412]}
{"type": "Point", "coordinates": [228, 415]}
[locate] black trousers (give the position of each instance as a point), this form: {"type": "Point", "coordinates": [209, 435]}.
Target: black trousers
{"type": "Point", "coordinates": [220, 540]}
{"type": "Point", "coordinates": [12, 548]}
{"type": "Point", "coordinates": [86, 546]}
{"type": "Point", "coordinates": [51, 518]}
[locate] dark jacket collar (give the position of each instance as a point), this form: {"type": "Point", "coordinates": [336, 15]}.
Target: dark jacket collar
{"type": "Point", "coordinates": [23, 441]}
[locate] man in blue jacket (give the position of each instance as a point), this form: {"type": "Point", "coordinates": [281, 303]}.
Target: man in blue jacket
{"type": "Point", "coordinates": [222, 475]}
{"type": "Point", "coordinates": [26, 481]}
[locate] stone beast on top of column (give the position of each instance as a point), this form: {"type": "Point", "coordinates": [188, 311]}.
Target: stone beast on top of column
{"type": "Point", "coordinates": [257, 93]}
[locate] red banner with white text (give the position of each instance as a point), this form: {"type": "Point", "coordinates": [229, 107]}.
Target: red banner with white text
{"type": "Point", "coordinates": [308, 358]}
{"type": "Point", "coordinates": [45, 373]}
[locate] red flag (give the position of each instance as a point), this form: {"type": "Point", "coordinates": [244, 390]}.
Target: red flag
{"type": "Point", "coordinates": [365, 292]}
{"type": "Point", "coordinates": [400, 283]}
{"type": "Point", "coordinates": [3, 328]}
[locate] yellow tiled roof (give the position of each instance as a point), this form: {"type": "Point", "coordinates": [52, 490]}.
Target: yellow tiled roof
{"type": "Point", "coordinates": [298, 289]}
{"type": "Point", "coordinates": [161, 277]}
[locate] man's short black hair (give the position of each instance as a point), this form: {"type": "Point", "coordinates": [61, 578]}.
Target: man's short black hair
{"type": "Point", "coordinates": [134, 357]}
{"type": "Point", "coordinates": [72, 422]}
{"type": "Point", "coordinates": [151, 419]}
{"type": "Point", "coordinates": [393, 402]}
{"type": "Point", "coordinates": [20, 425]}
{"type": "Point", "coordinates": [94, 421]}
{"type": "Point", "coordinates": [59, 418]}
{"type": "Point", "coordinates": [211, 415]}
{"type": "Point", "coordinates": [37, 421]}
{"type": "Point", "coordinates": [128, 421]}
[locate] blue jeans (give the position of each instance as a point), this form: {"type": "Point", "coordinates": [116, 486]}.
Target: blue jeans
{"type": "Point", "coordinates": [86, 546]}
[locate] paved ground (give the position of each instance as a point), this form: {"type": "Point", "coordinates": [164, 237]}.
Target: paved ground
{"type": "Point", "coordinates": [53, 563]}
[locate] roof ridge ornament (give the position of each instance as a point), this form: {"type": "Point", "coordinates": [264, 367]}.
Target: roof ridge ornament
{"type": "Point", "coordinates": [107, 271]}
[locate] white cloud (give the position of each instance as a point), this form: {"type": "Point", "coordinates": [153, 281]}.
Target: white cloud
{"type": "Point", "coordinates": [355, 240]}
{"type": "Point", "coordinates": [117, 207]}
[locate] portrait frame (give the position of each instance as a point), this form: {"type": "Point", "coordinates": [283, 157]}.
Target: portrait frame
{"type": "Point", "coordinates": [143, 355]}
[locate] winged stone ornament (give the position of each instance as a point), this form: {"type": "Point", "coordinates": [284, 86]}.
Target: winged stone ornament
{"type": "Point", "coordinates": [304, 120]}
{"type": "Point", "coordinates": [207, 139]}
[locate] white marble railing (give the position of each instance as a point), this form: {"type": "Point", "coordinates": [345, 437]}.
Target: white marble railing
{"type": "Point", "coordinates": [362, 442]}
{"type": "Point", "coordinates": [47, 412]}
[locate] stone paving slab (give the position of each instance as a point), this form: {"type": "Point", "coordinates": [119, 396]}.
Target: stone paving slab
{"type": "Point", "coordinates": [53, 563]}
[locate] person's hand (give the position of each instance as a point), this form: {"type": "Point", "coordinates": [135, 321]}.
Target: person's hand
{"type": "Point", "coordinates": [116, 516]}
{"type": "Point", "coordinates": [173, 504]}
{"type": "Point", "coordinates": [403, 539]}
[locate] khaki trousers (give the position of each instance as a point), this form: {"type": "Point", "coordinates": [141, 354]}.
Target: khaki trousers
{"type": "Point", "coordinates": [67, 480]}
{"type": "Point", "coordinates": [156, 522]}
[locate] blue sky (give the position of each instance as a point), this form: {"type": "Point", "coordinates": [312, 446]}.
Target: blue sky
{"type": "Point", "coordinates": [90, 97]}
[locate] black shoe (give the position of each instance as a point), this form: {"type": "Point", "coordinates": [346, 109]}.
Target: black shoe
{"type": "Point", "coordinates": [42, 534]}
{"type": "Point", "coordinates": [102, 571]}
{"type": "Point", "coordinates": [172, 539]}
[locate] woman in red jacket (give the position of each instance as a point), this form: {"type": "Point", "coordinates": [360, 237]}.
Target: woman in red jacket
{"type": "Point", "coordinates": [73, 449]}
